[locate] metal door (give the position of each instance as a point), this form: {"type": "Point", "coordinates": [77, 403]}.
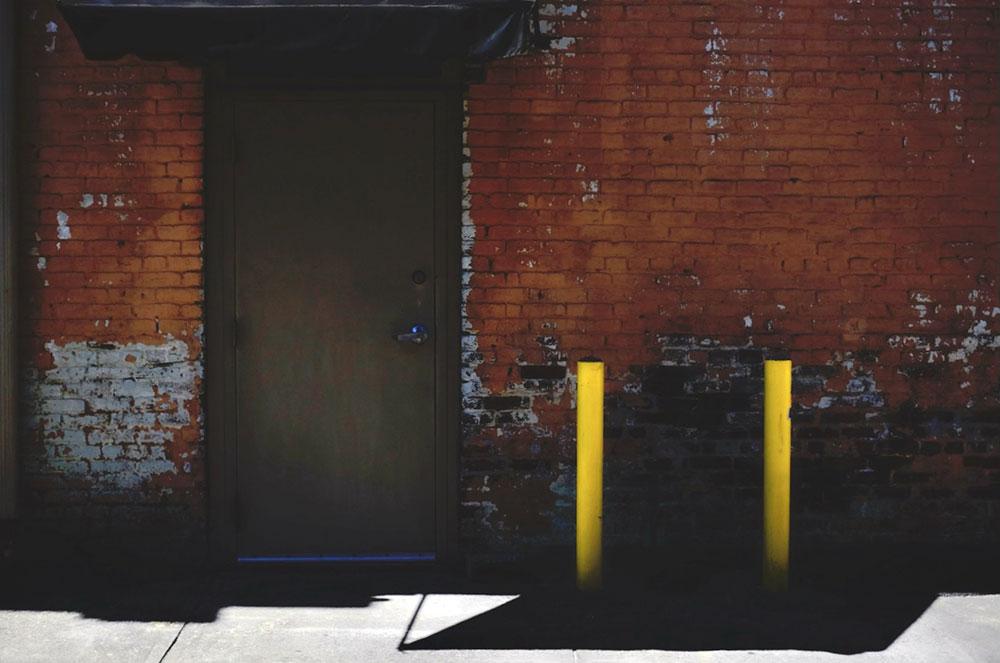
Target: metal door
{"type": "Point", "coordinates": [334, 219]}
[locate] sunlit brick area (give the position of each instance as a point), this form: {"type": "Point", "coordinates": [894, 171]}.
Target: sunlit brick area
{"type": "Point", "coordinates": [686, 189]}
{"type": "Point", "coordinates": [683, 190]}
{"type": "Point", "coordinates": [111, 314]}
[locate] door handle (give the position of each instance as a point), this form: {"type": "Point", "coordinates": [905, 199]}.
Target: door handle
{"type": "Point", "coordinates": [417, 335]}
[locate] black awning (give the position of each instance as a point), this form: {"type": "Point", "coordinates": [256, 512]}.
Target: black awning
{"type": "Point", "coordinates": [186, 29]}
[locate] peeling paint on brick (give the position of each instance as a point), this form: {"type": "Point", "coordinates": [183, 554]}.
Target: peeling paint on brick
{"type": "Point", "coordinates": [958, 334]}
{"type": "Point", "coordinates": [106, 414]}
{"type": "Point", "coordinates": [563, 43]}
{"type": "Point", "coordinates": [62, 221]}
{"type": "Point", "coordinates": [813, 175]}
{"type": "Point", "coordinates": [471, 385]}
{"type": "Point", "coordinates": [847, 215]}
{"type": "Point", "coordinates": [714, 73]}
{"type": "Point", "coordinates": [51, 28]}
{"type": "Point", "coordinates": [111, 340]}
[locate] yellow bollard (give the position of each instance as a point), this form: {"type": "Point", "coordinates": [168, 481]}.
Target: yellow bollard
{"type": "Point", "coordinates": [777, 471]}
{"type": "Point", "coordinates": [589, 472]}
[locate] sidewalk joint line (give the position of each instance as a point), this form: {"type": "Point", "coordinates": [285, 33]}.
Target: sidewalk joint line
{"type": "Point", "coordinates": [173, 642]}
{"type": "Point", "coordinates": [413, 620]}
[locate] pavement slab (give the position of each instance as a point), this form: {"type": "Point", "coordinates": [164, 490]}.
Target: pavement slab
{"type": "Point", "coordinates": [880, 611]}
{"type": "Point", "coordinates": [54, 637]}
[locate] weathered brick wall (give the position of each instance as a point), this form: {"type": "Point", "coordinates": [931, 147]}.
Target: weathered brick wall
{"type": "Point", "coordinates": [686, 188]}
{"type": "Point", "coordinates": [682, 189]}
{"type": "Point", "coordinates": [111, 275]}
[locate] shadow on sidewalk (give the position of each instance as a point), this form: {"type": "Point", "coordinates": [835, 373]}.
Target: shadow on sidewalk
{"type": "Point", "coordinates": [844, 601]}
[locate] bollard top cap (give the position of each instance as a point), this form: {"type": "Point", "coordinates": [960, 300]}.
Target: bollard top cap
{"type": "Point", "coordinates": [591, 359]}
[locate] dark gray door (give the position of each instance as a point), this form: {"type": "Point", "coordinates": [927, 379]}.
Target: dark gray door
{"type": "Point", "coordinates": [334, 226]}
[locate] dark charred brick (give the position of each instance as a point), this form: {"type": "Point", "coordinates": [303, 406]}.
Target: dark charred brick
{"type": "Point", "coordinates": [985, 492]}
{"type": "Point", "coordinates": [903, 446]}
{"type": "Point", "coordinates": [930, 448]}
{"type": "Point", "coordinates": [923, 371]}
{"type": "Point", "coordinates": [911, 477]}
{"type": "Point", "coordinates": [669, 380]}
{"type": "Point", "coordinates": [979, 446]}
{"type": "Point", "coordinates": [753, 385]}
{"type": "Point", "coordinates": [842, 416]}
{"type": "Point", "coordinates": [751, 357]}
{"type": "Point", "coordinates": [532, 466]}
{"type": "Point", "coordinates": [708, 462]}
{"type": "Point", "coordinates": [481, 465]}
{"type": "Point", "coordinates": [985, 462]}
{"type": "Point", "coordinates": [936, 493]}
{"type": "Point", "coordinates": [888, 463]}
{"type": "Point", "coordinates": [752, 463]}
{"type": "Point", "coordinates": [812, 433]}
{"type": "Point", "coordinates": [722, 357]}
{"type": "Point", "coordinates": [477, 419]}
{"type": "Point", "coordinates": [893, 492]}
{"type": "Point", "coordinates": [985, 416]}
{"type": "Point", "coordinates": [543, 372]}
{"type": "Point", "coordinates": [499, 403]}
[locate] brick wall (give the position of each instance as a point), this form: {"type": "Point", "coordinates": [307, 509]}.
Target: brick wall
{"type": "Point", "coordinates": [683, 189]}
{"type": "Point", "coordinates": [112, 284]}
{"type": "Point", "coordinates": [687, 188]}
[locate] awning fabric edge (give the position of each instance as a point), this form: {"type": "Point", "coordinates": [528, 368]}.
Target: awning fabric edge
{"type": "Point", "coordinates": [476, 30]}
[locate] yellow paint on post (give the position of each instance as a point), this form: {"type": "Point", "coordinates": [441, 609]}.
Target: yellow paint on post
{"type": "Point", "coordinates": [777, 471]}
{"type": "Point", "coordinates": [589, 472]}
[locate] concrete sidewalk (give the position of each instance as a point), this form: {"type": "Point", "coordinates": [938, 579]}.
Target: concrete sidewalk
{"type": "Point", "coordinates": [954, 629]}
{"type": "Point", "coordinates": [686, 611]}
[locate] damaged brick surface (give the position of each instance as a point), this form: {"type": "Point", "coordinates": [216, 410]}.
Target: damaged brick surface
{"type": "Point", "coordinates": [107, 414]}
{"type": "Point", "coordinates": [684, 189]}
{"type": "Point", "coordinates": [111, 279]}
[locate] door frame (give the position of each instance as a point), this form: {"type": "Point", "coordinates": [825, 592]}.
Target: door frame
{"type": "Point", "coordinates": [8, 266]}
{"type": "Point", "coordinates": [223, 88]}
